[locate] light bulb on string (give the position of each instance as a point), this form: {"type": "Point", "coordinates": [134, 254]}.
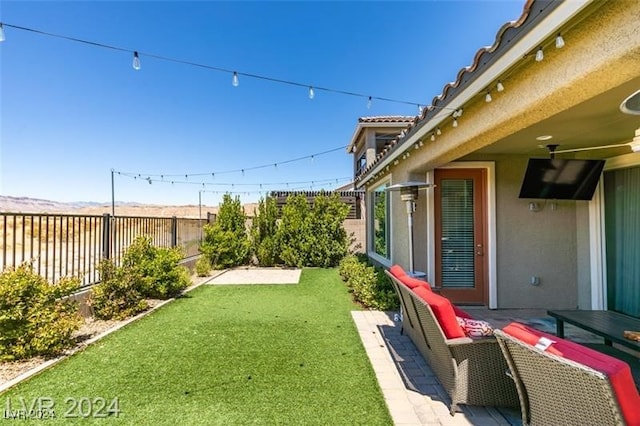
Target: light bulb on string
{"type": "Point", "coordinates": [369, 103]}
{"type": "Point", "coordinates": [311, 92]}
{"type": "Point", "coordinates": [455, 122]}
{"type": "Point", "coordinates": [433, 137]}
{"type": "Point", "coordinates": [136, 61]}
{"type": "Point", "coordinates": [438, 131]}
{"type": "Point", "coordinates": [539, 55]}
{"type": "Point", "coordinates": [488, 97]}
{"type": "Point", "coordinates": [500, 87]}
{"type": "Point", "coordinates": [559, 42]}
{"type": "Point", "coordinates": [235, 81]}
{"type": "Point", "coordinates": [2, 38]}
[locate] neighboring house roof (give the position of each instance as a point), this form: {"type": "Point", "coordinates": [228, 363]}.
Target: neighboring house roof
{"type": "Point", "coordinates": [378, 121]}
{"type": "Point", "coordinates": [506, 38]}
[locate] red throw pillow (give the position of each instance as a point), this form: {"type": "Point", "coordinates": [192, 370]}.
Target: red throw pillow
{"type": "Point", "coordinates": [413, 282]}
{"type": "Point", "coordinates": [443, 311]}
{"type": "Point", "coordinates": [397, 271]}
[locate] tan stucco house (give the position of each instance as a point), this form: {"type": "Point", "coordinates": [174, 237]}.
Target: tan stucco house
{"type": "Point", "coordinates": [559, 75]}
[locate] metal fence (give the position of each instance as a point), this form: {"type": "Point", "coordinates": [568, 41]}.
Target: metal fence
{"type": "Point", "coordinates": [61, 245]}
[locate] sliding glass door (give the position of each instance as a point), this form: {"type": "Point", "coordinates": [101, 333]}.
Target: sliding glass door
{"type": "Point", "coordinates": [622, 229]}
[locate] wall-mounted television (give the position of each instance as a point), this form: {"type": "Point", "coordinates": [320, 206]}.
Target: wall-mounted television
{"type": "Point", "coordinates": [561, 179]}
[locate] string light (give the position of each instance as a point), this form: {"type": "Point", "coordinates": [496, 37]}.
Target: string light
{"type": "Point", "coordinates": [488, 97]}
{"type": "Point", "coordinates": [559, 42]}
{"type": "Point", "coordinates": [136, 61]}
{"type": "Point", "coordinates": [311, 92]}
{"type": "Point", "coordinates": [539, 55]}
{"type": "Point", "coordinates": [433, 137]}
{"type": "Point", "coordinates": [455, 122]}
{"type": "Point", "coordinates": [369, 103]}
{"type": "Point", "coordinates": [2, 38]}
{"type": "Point", "coordinates": [236, 74]}
{"type": "Point", "coordinates": [438, 131]}
{"type": "Point", "coordinates": [500, 87]}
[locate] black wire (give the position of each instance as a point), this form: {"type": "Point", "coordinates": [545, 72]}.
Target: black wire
{"type": "Point", "coordinates": [214, 68]}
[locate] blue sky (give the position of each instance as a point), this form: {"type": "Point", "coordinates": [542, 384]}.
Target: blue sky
{"type": "Point", "coordinates": [71, 112]}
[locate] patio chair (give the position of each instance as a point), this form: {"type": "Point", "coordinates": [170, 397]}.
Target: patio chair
{"type": "Point", "coordinates": [471, 370]}
{"type": "Point", "coordinates": [563, 382]}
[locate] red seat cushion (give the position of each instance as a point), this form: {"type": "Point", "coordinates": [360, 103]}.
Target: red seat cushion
{"type": "Point", "coordinates": [618, 371]}
{"type": "Point", "coordinates": [443, 310]}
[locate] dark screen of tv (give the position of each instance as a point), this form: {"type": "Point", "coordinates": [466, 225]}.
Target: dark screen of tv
{"type": "Point", "coordinates": [561, 179]}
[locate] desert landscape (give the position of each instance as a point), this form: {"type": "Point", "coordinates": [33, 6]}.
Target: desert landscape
{"type": "Point", "coordinates": [33, 205]}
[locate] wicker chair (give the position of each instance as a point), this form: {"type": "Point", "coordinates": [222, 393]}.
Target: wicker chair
{"type": "Point", "coordinates": [556, 390]}
{"type": "Point", "coordinates": [471, 370]}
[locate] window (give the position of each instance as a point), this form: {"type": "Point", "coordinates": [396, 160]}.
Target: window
{"type": "Point", "coordinates": [379, 221]}
{"type": "Point", "coordinates": [361, 164]}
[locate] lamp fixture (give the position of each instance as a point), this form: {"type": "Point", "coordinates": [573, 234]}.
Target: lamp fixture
{"type": "Point", "coordinates": [544, 137]}
{"type": "Point", "coordinates": [136, 61]}
{"type": "Point", "coordinates": [409, 194]}
{"type": "Point", "coordinates": [500, 87]}
{"type": "Point", "coordinates": [539, 55]}
{"type": "Point", "coordinates": [559, 42]}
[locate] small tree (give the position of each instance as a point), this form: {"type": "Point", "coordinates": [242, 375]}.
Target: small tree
{"type": "Point", "coordinates": [225, 241]}
{"type": "Point", "coordinates": [290, 237]}
{"type": "Point", "coordinates": [263, 233]}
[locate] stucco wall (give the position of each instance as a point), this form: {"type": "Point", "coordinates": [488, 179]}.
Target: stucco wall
{"type": "Point", "coordinates": [541, 244]}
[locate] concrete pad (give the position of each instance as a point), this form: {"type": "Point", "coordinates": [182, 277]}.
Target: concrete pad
{"type": "Point", "coordinates": [257, 276]}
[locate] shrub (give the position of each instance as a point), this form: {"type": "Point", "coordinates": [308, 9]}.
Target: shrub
{"type": "Point", "coordinates": [368, 284]}
{"type": "Point", "coordinates": [263, 233]}
{"type": "Point", "coordinates": [119, 294]}
{"type": "Point", "coordinates": [203, 266]}
{"type": "Point", "coordinates": [225, 241]}
{"type": "Point", "coordinates": [162, 275]}
{"type": "Point", "coordinates": [36, 317]}
{"type": "Point", "coordinates": [313, 236]}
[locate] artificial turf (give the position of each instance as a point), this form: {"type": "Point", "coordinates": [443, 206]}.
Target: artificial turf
{"type": "Point", "coordinates": [261, 354]}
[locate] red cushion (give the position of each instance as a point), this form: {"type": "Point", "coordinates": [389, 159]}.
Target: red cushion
{"type": "Point", "coordinates": [413, 282]}
{"type": "Point", "coordinates": [397, 271]}
{"type": "Point", "coordinates": [619, 372]}
{"type": "Point", "coordinates": [443, 311]}
{"type": "Point", "coordinates": [460, 313]}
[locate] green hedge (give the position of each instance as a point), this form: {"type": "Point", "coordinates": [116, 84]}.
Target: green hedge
{"type": "Point", "coordinates": [368, 284]}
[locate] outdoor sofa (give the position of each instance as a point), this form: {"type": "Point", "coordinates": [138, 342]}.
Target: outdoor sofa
{"type": "Point", "coordinates": [471, 370]}
{"type": "Point", "coordinates": [563, 382]}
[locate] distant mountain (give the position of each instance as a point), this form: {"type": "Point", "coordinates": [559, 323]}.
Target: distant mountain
{"type": "Point", "coordinates": [10, 204]}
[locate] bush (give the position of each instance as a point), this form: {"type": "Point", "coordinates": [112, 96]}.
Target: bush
{"type": "Point", "coordinates": [368, 284]}
{"type": "Point", "coordinates": [36, 317]}
{"type": "Point", "coordinates": [225, 241]}
{"type": "Point", "coordinates": [162, 275]}
{"type": "Point", "coordinates": [263, 233]}
{"type": "Point", "coordinates": [313, 236]}
{"type": "Point", "coordinates": [203, 266]}
{"type": "Point", "coordinates": [119, 294]}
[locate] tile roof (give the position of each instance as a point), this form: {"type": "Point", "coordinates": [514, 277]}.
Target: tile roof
{"type": "Point", "coordinates": [387, 119]}
{"type": "Point", "coordinates": [466, 74]}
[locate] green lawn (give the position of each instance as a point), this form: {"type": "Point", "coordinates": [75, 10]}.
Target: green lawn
{"type": "Point", "coordinates": [266, 354]}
